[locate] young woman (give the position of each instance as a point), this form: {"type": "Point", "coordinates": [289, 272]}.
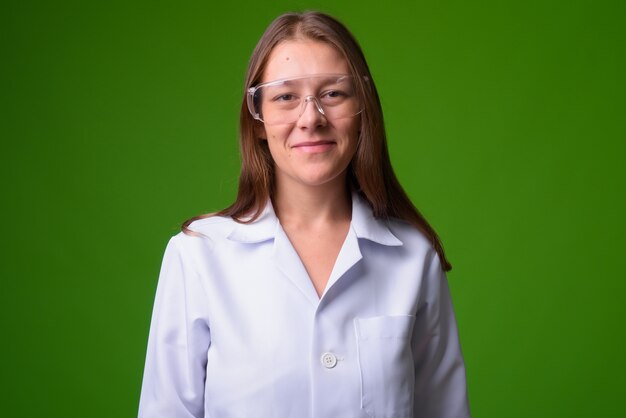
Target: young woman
{"type": "Point", "coordinates": [321, 292]}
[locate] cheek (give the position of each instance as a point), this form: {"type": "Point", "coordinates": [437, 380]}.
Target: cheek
{"type": "Point", "coordinates": [278, 135]}
{"type": "Point", "coordinates": [277, 141]}
{"type": "Point", "coordinates": [351, 133]}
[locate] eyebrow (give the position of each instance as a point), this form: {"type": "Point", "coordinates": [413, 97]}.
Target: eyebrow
{"type": "Point", "coordinates": [324, 81]}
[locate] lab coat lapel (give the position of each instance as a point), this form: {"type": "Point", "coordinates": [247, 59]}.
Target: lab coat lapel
{"type": "Point", "coordinates": [289, 263]}
{"type": "Point", "coordinates": [285, 257]}
{"type": "Point", "coordinates": [349, 255]}
{"type": "Point", "coordinates": [362, 226]}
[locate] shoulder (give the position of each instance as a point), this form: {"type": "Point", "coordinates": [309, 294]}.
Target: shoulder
{"type": "Point", "coordinates": [425, 259]}
{"type": "Point", "coordinates": [215, 226]}
{"type": "Point", "coordinates": [413, 240]}
{"type": "Point", "coordinates": [204, 232]}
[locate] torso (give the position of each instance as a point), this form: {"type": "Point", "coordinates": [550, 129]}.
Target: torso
{"type": "Point", "coordinates": [252, 312]}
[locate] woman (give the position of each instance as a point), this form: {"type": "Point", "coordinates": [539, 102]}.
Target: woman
{"type": "Point", "coordinates": [321, 291]}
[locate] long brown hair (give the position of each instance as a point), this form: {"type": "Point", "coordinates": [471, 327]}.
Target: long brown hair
{"type": "Point", "coordinates": [370, 172]}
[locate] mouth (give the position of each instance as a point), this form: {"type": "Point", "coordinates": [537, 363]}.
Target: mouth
{"type": "Point", "coordinates": [314, 146]}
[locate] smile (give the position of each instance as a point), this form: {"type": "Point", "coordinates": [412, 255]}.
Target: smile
{"type": "Point", "coordinates": [314, 146]}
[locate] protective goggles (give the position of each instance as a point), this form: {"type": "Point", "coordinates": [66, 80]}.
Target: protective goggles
{"type": "Point", "coordinates": [284, 101]}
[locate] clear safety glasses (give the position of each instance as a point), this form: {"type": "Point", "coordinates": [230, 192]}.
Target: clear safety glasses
{"type": "Point", "coordinates": [284, 101]}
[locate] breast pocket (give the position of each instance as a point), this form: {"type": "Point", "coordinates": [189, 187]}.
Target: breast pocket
{"type": "Point", "coordinates": [386, 365]}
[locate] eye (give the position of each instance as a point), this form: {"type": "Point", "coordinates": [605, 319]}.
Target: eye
{"type": "Point", "coordinates": [334, 97]}
{"type": "Point", "coordinates": [332, 94]}
{"type": "Point", "coordinates": [287, 97]}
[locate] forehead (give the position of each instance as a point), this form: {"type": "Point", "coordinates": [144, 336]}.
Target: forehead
{"type": "Point", "coordinates": [304, 57]}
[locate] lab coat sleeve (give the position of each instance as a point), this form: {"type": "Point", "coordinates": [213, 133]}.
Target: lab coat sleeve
{"type": "Point", "coordinates": [440, 384]}
{"type": "Point", "coordinates": [175, 369]}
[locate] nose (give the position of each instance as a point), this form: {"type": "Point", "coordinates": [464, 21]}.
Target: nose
{"type": "Point", "coordinates": [311, 116]}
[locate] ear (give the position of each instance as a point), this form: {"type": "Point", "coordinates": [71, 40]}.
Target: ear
{"type": "Point", "coordinates": [259, 130]}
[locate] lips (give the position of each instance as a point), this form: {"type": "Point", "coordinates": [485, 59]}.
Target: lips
{"type": "Point", "coordinates": [313, 143]}
{"type": "Point", "coordinates": [314, 146]}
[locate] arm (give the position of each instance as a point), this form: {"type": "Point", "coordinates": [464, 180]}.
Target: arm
{"type": "Point", "coordinates": [440, 387]}
{"type": "Point", "coordinates": [175, 370]}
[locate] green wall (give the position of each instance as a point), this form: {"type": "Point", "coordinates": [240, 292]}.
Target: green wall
{"type": "Point", "coordinates": [118, 121]}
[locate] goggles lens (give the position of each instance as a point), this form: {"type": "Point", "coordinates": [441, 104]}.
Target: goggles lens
{"type": "Point", "coordinates": [284, 101]}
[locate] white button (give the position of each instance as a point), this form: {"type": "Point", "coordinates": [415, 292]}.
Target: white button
{"type": "Point", "coordinates": [329, 360]}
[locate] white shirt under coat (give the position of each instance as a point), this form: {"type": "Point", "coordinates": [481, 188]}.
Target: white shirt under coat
{"type": "Point", "coordinates": [238, 329]}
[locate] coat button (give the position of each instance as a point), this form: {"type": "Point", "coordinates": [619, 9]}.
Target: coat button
{"type": "Point", "coordinates": [329, 360]}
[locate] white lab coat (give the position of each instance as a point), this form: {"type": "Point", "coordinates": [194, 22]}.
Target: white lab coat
{"type": "Point", "coordinates": [239, 331]}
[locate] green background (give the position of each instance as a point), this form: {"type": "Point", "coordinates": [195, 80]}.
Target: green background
{"type": "Point", "coordinates": [506, 126]}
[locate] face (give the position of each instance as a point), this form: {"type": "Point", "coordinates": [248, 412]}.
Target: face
{"type": "Point", "coordinates": [311, 151]}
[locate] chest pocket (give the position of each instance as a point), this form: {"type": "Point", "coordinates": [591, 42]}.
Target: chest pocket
{"type": "Point", "coordinates": [386, 365]}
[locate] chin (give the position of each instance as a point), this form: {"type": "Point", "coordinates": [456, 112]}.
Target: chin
{"type": "Point", "coordinates": [319, 179]}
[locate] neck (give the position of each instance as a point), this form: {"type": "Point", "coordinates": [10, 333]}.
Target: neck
{"type": "Point", "coordinates": [298, 204]}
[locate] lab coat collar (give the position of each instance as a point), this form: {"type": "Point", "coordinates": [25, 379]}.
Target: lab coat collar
{"type": "Point", "coordinates": [366, 226]}
{"type": "Point", "coordinates": [363, 223]}
{"type": "Point", "coordinates": [261, 229]}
